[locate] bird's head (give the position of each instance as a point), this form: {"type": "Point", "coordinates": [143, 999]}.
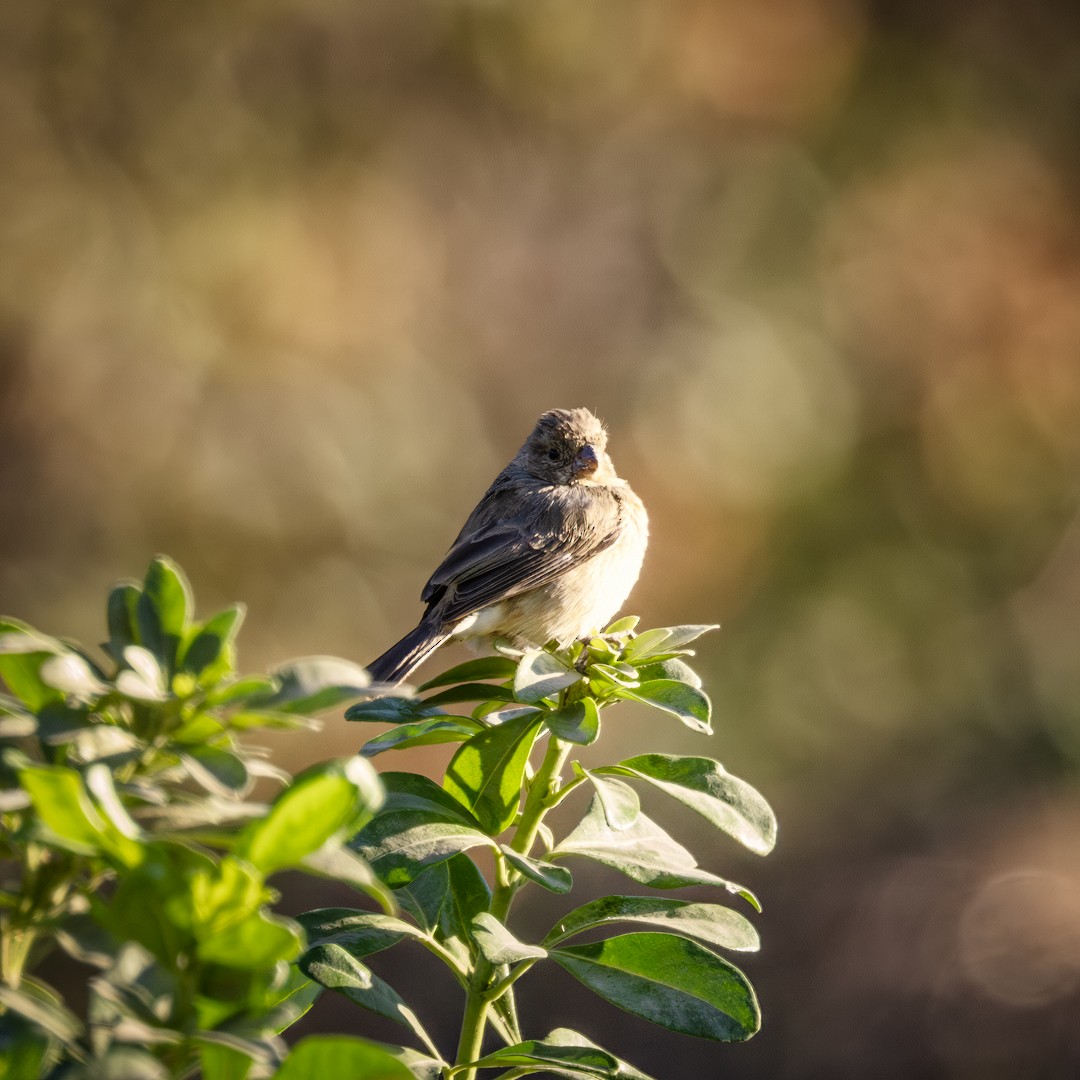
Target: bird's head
{"type": "Point", "coordinates": [568, 446]}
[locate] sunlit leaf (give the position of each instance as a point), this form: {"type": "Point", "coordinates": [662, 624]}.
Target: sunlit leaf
{"type": "Point", "coordinates": [41, 1005]}
{"type": "Point", "coordinates": [321, 802]}
{"type": "Point", "coordinates": [577, 723]}
{"type": "Point", "coordinates": [256, 943]}
{"type": "Point", "coordinates": [643, 851]}
{"type": "Point", "coordinates": [670, 980]}
{"type": "Point", "coordinates": [330, 1057]}
{"type": "Point", "coordinates": [556, 879]}
{"type": "Point", "coordinates": [211, 642]}
{"type": "Point", "coordinates": [64, 807]}
{"type": "Point", "coordinates": [163, 609]}
{"type": "Point", "coordinates": [498, 945]}
{"type": "Point", "coordinates": [360, 933]}
{"type": "Point", "coordinates": [486, 773]}
{"type": "Point", "coordinates": [473, 691]}
{"type": "Point", "coordinates": [562, 1053]}
{"type": "Point", "coordinates": [143, 679]}
{"type": "Point", "coordinates": [711, 923]}
{"type": "Point", "coordinates": [540, 674]}
{"type": "Point", "coordinates": [391, 710]}
{"type": "Point", "coordinates": [618, 801]}
{"type": "Point", "coordinates": [219, 771]}
{"type": "Point", "coordinates": [705, 786]}
{"type": "Point", "coordinates": [478, 670]}
{"type": "Point", "coordinates": [432, 731]}
{"type": "Point", "coordinates": [314, 683]}
{"type": "Point", "coordinates": [686, 702]}
{"type": "Point", "coordinates": [664, 639]}
{"type": "Point", "coordinates": [336, 969]}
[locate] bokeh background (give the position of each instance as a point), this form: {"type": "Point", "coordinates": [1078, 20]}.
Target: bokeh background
{"type": "Point", "coordinates": [283, 285]}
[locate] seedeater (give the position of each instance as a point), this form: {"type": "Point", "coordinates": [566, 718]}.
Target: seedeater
{"type": "Point", "coordinates": [551, 551]}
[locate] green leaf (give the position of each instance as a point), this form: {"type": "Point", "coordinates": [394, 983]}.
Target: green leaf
{"type": "Point", "coordinates": [444, 899]}
{"type": "Point", "coordinates": [474, 691]}
{"type": "Point", "coordinates": [23, 651]}
{"type": "Point", "coordinates": [618, 801]}
{"type": "Point", "coordinates": [209, 647]}
{"type": "Point", "coordinates": [64, 807]}
{"type": "Point", "coordinates": [268, 720]}
{"type": "Point", "coordinates": [42, 1006]}
{"type": "Point", "coordinates": [434, 730]}
{"type": "Point", "coordinates": [359, 933]}
{"type": "Point", "coordinates": [686, 702]}
{"type": "Point", "coordinates": [705, 786]}
{"type": "Point", "coordinates": [712, 923]}
{"type": "Point", "coordinates": [643, 851]}
{"type": "Point", "coordinates": [239, 691]}
{"type": "Point", "coordinates": [664, 639]}
{"type": "Point", "coordinates": [540, 674]}
{"type": "Point", "coordinates": [578, 723]}
{"type": "Point", "coordinates": [221, 1062]}
{"type": "Point", "coordinates": [400, 844]}
{"type": "Point", "coordinates": [23, 1048]}
{"type": "Point", "coordinates": [86, 940]}
{"type": "Point", "coordinates": [331, 1057]}
{"type": "Point", "coordinates": [672, 668]}
{"type": "Point", "coordinates": [487, 772]}
{"type": "Point", "coordinates": [556, 879]}
{"type": "Point", "coordinates": [285, 1004]}
{"type": "Point", "coordinates": [562, 1053]}
{"type": "Point", "coordinates": [498, 945]}
{"type": "Point", "coordinates": [71, 674]}
{"type": "Point", "coordinates": [341, 863]}
{"type": "Point", "coordinates": [143, 679]}
{"type": "Point", "coordinates": [122, 1063]}
{"type": "Point", "coordinates": [99, 782]}
{"type": "Point", "coordinates": [20, 638]}
{"type": "Point", "coordinates": [478, 670]}
{"type": "Point", "coordinates": [255, 944]}
{"type": "Point", "coordinates": [419, 825]}
{"type": "Point", "coordinates": [623, 626]}
{"type": "Point", "coordinates": [219, 771]}
{"type": "Point", "coordinates": [332, 967]}
{"type": "Point", "coordinates": [123, 627]}
{"type": "Point", "coordinates": [314, 683]}
{"type": "Point", "coordinates": [322, 802]}
{"type": "Point", "coordinates": [163, 609]}
{"type": "Point", "coordinates": [670, 980]}
{"type": "Point", "coordinates": [390, 710]}
{"type": "Point", "coordinates": [15, 725]}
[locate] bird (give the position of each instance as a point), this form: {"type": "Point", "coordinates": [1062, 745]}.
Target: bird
{"type": "Point", "coordinates": [550, 553]}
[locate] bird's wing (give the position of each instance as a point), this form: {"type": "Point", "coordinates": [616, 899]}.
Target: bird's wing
{"type": "Point", "coordinates": [516, 541]}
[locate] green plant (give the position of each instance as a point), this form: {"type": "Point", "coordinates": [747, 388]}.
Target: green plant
{"type": "Point", "coordinates": [130, 841]}
{"type": "Point", "coordinates": [418, 843]}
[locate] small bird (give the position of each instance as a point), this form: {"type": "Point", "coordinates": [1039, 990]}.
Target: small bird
{"type": "Point", "coordinates": [551, 551]}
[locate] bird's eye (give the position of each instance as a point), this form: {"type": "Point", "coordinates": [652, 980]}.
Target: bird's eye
{"type": "Point", "coordinates": [553, 454]}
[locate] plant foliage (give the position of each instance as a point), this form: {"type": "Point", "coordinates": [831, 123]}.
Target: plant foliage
{"type": "Point", "coordinates": [132, 840]}
{"type": "Point", "coordinates": [651, 955]}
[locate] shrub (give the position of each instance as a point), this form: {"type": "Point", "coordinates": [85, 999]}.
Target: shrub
{"type": "Point", "coordinates": [131, 841]}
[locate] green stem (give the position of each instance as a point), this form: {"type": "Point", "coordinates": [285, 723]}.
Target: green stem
{"type": "Point", "coordinates": [15, 945]}
{"type": "Point", "coordinates": [477, 1002]}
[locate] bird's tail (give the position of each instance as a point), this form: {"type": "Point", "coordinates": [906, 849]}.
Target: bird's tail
{"type": "Point", "coordinates": [402, 659]}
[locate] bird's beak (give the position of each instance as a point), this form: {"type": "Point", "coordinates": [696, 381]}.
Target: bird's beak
{"type": "Point", "coordinates": [586, 462]}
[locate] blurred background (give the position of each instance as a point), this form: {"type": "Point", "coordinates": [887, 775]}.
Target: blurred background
{"type": "Point", "coordinates": [283, 285]}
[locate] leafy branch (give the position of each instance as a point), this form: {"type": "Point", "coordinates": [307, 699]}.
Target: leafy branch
{"type": "Point", "coordinates": [418, 842]}
{"type": "Point", "coordinates": [132, 841]}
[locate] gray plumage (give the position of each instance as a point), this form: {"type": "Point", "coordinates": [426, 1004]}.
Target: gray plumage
{"type": "Point", "coordinates": [551, 551]}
